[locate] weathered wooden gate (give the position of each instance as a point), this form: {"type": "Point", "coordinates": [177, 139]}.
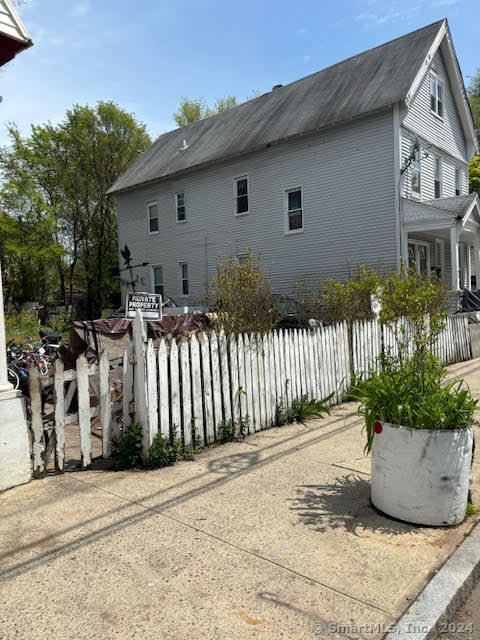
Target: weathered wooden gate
{"type": "Point", "coordinates": [77, 396]}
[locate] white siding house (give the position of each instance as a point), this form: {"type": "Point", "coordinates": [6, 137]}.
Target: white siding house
{"type": "Point", "coordinates": [348, 166]}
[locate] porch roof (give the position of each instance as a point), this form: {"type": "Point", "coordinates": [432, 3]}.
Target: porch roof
{"type": "Point", "coordinates": [441, 212]}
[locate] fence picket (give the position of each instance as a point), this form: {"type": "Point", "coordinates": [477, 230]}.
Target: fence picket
{"type": "Point", "coordinates": [255, 388]}
{"type": "Point", "coordinates": [140, 382]}
{"type": "Point", "coordinates": [84, 411]}
{"type": "Point", "coordinates": [273, 379]}
{"type": "Point", "coordinates": [216, 382]}
{"type": "Point", "coordinates": [163, 389]}
{"type": "Point", "coordinates": [261, 381]}
{"type": "Point", "coordinates": [227, 405]}
{"type": "Point", "coordinates": [175, 387]}
{"type": "Point", "coordinates": [105, 404]}
{"type": "Point", "coordinates": [59, 401]}
{"type": "Point", "coordinates": [197, 390]}
{"type": "Point", "coordinates": [186, 392]}
{"type": "Point", "coordinates": [235, 395]}
{"type": "Point", "coordinates": [248, 383]}
{"type": "Point", "coordinates": [242, 384]}
{"type": "Point", "coordinates": [207, 389]}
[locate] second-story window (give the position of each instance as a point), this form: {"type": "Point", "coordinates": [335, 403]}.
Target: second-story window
{"type": "Point", "coordinates": [241, 195]}
{"type": "Point", "coordinates": [458, 181]}
{"type": "Point", "coordinates": [180, 206]}
{"type": "Point", "coordinates": [436, 94]}
{"type": "Point", "coordinates": [153, 217]}
{"type": "Point", "coordinates": [415, 171]}
{"type": "Point", "coordinates": [294, 210]}
{"type": "Point", "coordinates": [184, 278]}
{"type": "Point", "coordinates": [157, 277]}
{"type": "Point", "coordinates": [437, 176]}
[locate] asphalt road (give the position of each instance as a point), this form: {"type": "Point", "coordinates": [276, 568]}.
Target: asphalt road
{"type": "Point", "coordinates": [465, 625]}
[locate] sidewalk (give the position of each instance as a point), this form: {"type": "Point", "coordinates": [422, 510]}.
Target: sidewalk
{"type": "Point", "coordinates": [272, 537]}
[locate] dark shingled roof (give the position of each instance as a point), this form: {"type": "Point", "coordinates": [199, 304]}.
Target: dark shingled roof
{"type": "Point", "coordinates": [366, 82]}
{"type": "Point", "coordinates": [458, 205]}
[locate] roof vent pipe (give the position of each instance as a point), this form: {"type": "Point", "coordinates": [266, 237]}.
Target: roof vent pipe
{"type": "Point", "coordinates": [184, 146]}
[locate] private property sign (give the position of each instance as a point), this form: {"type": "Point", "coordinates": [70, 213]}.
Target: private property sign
{"type": "Point", "coordinates": [150, 305]}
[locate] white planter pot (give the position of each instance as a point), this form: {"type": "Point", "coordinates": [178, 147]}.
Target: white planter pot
{"type": "Point", "coordinates": [421, 475]}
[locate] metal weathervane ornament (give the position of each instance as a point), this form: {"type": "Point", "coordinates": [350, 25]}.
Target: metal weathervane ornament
{"type": "Point", "coordinates": [149, 304]}
{"type": "Point", "coordinates": [127, 260]}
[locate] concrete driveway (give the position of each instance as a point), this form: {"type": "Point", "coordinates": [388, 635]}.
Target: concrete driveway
{"type": "Point", "coordinates": [272, 537]}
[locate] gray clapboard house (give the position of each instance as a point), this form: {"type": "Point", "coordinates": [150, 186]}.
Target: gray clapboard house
{"type": "Point", "coordinates": [365, 162]}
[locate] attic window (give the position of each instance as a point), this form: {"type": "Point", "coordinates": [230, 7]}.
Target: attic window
{"type": "Point", "coordinates": [436, 94]}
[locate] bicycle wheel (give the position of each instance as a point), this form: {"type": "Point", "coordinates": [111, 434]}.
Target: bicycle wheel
{"type": "Point", "coordinates": [13, 378]}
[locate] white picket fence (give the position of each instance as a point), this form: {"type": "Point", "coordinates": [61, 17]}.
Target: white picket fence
{"type": "Point", "coordinates": [207, 379]}
{"type": "Point", "coordinates": [203, 381]}
{"type": "Point", "coordinates": [370, 339]}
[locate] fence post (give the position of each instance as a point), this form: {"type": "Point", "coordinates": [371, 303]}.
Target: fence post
{"type": "Point", "coordinates": [105, 404]}
{"type": "Point", "coordinates": [37, 421]}
{"type": "Point", "coordinates": [59, 396]}
{"type": "Point", "coordinates": [127, 385]}
{"type": "Point", "coordinates": [140, 382]}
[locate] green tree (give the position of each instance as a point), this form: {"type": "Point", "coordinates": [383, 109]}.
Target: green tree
{"type": "Point", "coordinates": [58, 176]}
{"type": "Point", "coordinates": [474, 174]}
{"type": "Point", "coordinates": [473, 93]}
{"type": "Point", "coordinates": [195, 109]}
{"type": "Point", "coordinates": [190, 111]}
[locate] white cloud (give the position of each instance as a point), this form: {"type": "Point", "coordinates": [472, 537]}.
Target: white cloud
{"type": "Point", "coordinates": [306, 58]}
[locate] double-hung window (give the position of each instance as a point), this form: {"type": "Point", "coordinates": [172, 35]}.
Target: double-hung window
{"type": "Point", "coordinates": [458, 181]}
{"type": "Point", "coordinates": [184, 278]}
{"type": "Point", "coordinates": [437, 176]}
{"type": "Point", "coordinates": [436, 94]}
{"type": "Point", "coordinates": [415, 171]}
{"type": "Point", "coordinates": [294, 210]}
{"type": "Point", "coordinates": [241, 195]}
{"type": "Point", "coordinates": [157, 279]}
{"type": "Point", "coordinates": [180, 207]}
{"type": "Point", "coordinates": [153, 217]}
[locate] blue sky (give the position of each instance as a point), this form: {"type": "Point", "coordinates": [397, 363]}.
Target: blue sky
{"type": "Point", "coordinates": [146, 54]}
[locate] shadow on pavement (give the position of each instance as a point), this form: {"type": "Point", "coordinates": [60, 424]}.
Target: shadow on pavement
{"type": "Point", "coordinates": [345, 504]}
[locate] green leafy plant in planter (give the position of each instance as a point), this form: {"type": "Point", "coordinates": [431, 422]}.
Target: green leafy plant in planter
{"type": "Point", "coordinates": [418, 423]}
{"type": "Point", "coordinates": [413, 394]}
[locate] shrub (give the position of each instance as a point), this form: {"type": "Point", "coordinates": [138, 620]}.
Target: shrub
{"type": "Point", "coordinates": [164, 452]}
{"type": "Point", "coordinates": [242, 297]}
{"type": "Point", "coordinates": [350, 300]}
{"type": "Point", "coordinates": [128, 450]}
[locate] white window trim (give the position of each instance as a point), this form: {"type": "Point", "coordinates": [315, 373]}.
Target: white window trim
{"type": "Point", "coordinates": [417, 194]}
{"type": "Point", "coordinates": [175, 200]}
{"type": "Point", "coordinates": [152, 277]}
{"type": "Point", "coordinates": [287, 231]}
{"type": "Point", "coordinates": [235, 196]}
{"type": "Point", "coordinates": [151, 204]}
{"type": "Point", "coordinates": [440, 166]}
{"type": "Point", "coordinates": [180, 273]}
{"type": "Point", "coordinates": [438, 80]}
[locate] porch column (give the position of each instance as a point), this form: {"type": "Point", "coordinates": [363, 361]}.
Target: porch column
{"type": "Point", "coordinates": [405, 249]}
{"type": "Point", "coordinates": [5, 385]}
{"type": "Point", "coordinates": [454, 257]}
{"type": "Point", "coordinates": [476, 257]}
{"type": "Point", "coordinates": [469, 267]}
